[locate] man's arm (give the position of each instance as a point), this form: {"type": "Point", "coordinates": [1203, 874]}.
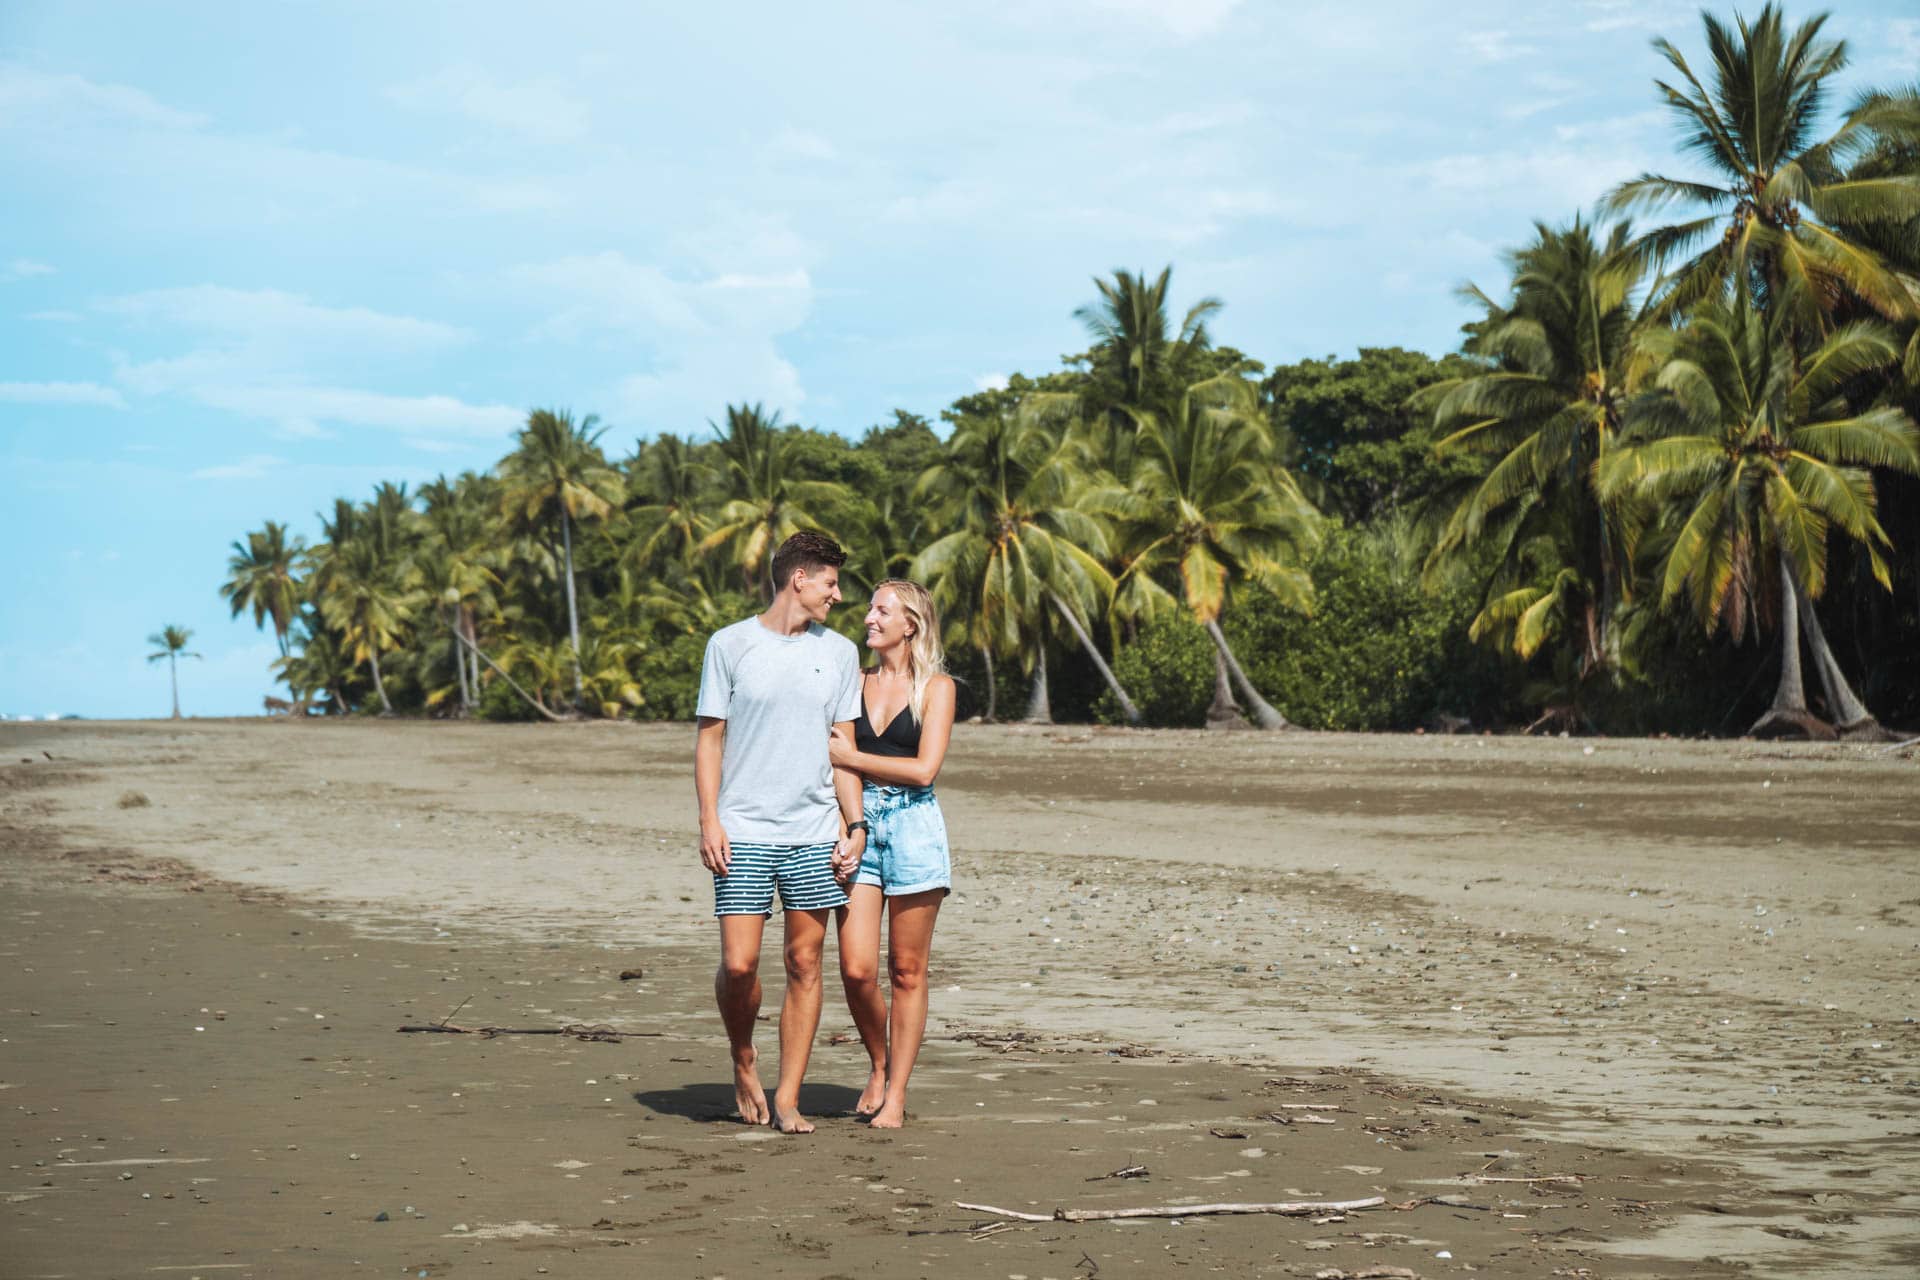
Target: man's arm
{"type": "Point", "coordinates": [848, 790]}
{"type": "Point", "coordinates": [716, 854]}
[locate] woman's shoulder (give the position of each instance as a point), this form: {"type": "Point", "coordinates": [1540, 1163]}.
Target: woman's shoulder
{"type": "Point", "coordinates": [941, 682]}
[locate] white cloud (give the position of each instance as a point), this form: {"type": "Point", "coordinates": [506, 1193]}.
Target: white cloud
{"type": "Point", "coordinates": [1185, 19]}
{"type": "Point", "coordinates": [542, 110]}
{"type": "Point", "coordinates": [75, 393]}
{"type": "Point", "coordinates": [989, 382]}
{"type": "Point", "coordinates": [24, 268]}
{"type": "Point", "coordinates": [65, 99]}
{"type": "Point", "coordinates": [951, 200]}
{"type": "Point", "coordinates": [804, 144]}
{"type": "Point", "coordinates": [269, 315]}
{"type": "Point", "coordinates": [252, 467]}
{"type": "Point", "coordinates": [54, 317]}
{"type": "Point", "coordinates": [1205, 120]}
{"type": "Point", "coordinates": [1495, 46]}
{"type": "Point", "coordinates": [299, 408]}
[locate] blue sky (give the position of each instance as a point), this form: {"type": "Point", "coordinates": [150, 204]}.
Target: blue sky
{"type": "Point", "coordinates": [259, 255]}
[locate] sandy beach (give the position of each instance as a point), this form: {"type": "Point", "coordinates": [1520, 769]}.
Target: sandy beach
{"type": "Point", "coordinates": [1582, 1007]}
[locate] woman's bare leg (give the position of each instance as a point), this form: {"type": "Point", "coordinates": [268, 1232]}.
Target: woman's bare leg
{"type": "Point", "coordinates": [909, 942]}
{"type": "Point", "coordinates": [860, 975]}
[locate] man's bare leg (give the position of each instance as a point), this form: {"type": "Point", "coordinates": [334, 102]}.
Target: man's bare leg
{"type": "Point", "coordinates": [736, 988]}
{"type": "Point", "coordinates": [860, 976]}
{"type": "Point", "coordinates": [909, 942]}
{"type": "Point", "coordinates": [799, 1015]}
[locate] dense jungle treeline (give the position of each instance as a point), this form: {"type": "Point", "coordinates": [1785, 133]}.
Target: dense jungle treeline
{"type": "Point", "coordinates": [1670, 482]}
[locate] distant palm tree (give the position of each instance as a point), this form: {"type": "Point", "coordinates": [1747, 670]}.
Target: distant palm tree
{"type": "Point", "coordinates": [1778, 194]}
{"type": "Point", "coordinates": [1754, 454]}
{"type": "Point", "coordinates": [457, 563]}
{"type": "Point", "coordinates": [171, 643]}
{"type": "Point", "coordinates": [667, 487]}
{"type": "Point", "coordinates": [369, 598]}
{"type": "Point", "coordinates": [771, 503]}
{"type": "Point", "coordinates": [1210, 504]}
{"type": "Point", "coordinates": [1139, 356]}
{"type": "Point", "coordinates": [558, 468]}
{"type": "Point", "coordinates": [261, 576]}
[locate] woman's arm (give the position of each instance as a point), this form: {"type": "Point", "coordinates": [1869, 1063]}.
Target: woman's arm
{"type": "Point", "coordinates": [936, 729]}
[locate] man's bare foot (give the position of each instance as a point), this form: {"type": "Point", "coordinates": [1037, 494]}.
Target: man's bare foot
{"type": "Point", "coordinates": [789, 1120]}
{"type": "Point", "coordinates": [748, 1095]}
{"type": "Point", "coordinates": [874, 1094]}
{"type": "Point", "coordinates": [891, 1115]}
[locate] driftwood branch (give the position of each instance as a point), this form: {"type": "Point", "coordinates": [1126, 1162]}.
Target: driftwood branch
{"type": "Point", "coordinates": [1910, 742]}
{"type": "Point", "coordinates": [578, 1030]}
{"type": "Point", "coordinates": [1574, 1178]}
{"type": "Point", "coordinates": [1289, 1208]}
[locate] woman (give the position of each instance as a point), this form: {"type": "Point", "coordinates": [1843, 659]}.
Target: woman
{"type": "Point", "coordinates": [899, 742]}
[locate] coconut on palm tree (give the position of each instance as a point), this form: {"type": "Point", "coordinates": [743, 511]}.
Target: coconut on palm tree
{"type": "Point", "coordinates": [1211, 508]}
{"type": "Point", "coordinates": [170, 643]}
{"type": "Point", "coordinates": [557, 471]}
{"type": "Point", "coordinates": [1754, 456]}
{"type": "Point", "coordinates": [1772, 210]}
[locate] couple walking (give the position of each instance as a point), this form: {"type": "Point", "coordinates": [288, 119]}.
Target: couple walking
{"type": "Point", "coordinates": [816, 777]}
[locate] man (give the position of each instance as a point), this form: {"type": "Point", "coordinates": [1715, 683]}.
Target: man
{"type": "Point", "coordinates": [772, 806]}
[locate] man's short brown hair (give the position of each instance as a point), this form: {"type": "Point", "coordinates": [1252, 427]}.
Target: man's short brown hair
{"type": "Point", "coordinates": [805, 550]}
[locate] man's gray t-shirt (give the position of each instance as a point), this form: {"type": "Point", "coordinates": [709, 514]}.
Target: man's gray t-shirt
{"type": "Point", "coordinates": [780, 696]}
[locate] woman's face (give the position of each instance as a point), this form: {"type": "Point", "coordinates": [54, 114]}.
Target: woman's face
{"type": "Point", "coordinates": [887, 622]}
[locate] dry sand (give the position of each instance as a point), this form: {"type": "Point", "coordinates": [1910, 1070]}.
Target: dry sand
{"type": "Point", "coordinates": [1680, 973]}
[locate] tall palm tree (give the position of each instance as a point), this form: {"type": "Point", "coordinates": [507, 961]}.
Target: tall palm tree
{"type": "Point", "coordinates": [667, 486]}
{"type": "Point", "coordinates": [1139, 357]}
{"type": "Point", "coordinates": [1211, 505]}
{"type": "Point", "coordinates": [558, 469]}
{"type": "Point", "coordinates": [457, 563]}
{"type": "Point", "coordinates": [1023, 550]}
{"type": "Point", "coordinates": [1755, 456]}
{"type": "Point", "coordinates": [771, 503]}
{"type": "Point", "coordinates": [369, 597]}
{"type": "Point", "coordinates": [1777, 193]}
{"type": "Point", "coordinates": [1543, 418]}
{"type": "Point", "coordinates": [261, 576]}
{"type": "Point", "coordinates": [170, 643]}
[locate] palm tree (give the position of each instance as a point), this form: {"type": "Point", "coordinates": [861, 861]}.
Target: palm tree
{"type": "Point", "coordinates": [558, 468]}
{"type": "Point", "coordinates": [1543, 418]}
{"type": "Point", "coordinates": [1209, 505]}
{"type": "Point", "coordinates": [1138, 357]}
{"type": "Point", "coordinates": [261, 576]}
{"type": "Point", "coordinates": [1023, 548]}
{"type": "Point", "coordinates": [771, 503]}
{"type": "Point", "coordinates": [667, 487]}
{"type": "Point", "coordinates": [1754, 455]}
{"type": "Point", "coordinates": [457, 567]}
{"type": "Point", "coordinates": [1778, 195]}
{"type": "Point", "coordinates": [171, 643]}
{"type": "Point", "coordinates": [368, 597]}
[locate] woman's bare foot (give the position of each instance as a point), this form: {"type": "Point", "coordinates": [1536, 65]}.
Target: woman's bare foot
{"type": "Point", "coordinates": [891, 1115]}
{"type": "Point", "coordinates": [789, 1120]}
{"type": "Point", "coordinates": [748, 1096]}
{"type": "Point", "coordinates": [874, 1094]}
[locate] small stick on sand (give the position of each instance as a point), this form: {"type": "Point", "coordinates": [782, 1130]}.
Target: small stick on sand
{"type": "Point", "coordinates": [1574, 1178]}
{"type": "Point", "coordinates": [580, 1031]}
{"type": "Point", "coordinates": [1292, 1208]}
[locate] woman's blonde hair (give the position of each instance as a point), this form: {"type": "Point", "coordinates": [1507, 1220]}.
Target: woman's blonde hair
{"type": "Point", "coordinates": [926, 656]}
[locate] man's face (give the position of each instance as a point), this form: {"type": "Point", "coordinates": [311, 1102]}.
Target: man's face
{"type": "Point", "coordinates": [817, 590]}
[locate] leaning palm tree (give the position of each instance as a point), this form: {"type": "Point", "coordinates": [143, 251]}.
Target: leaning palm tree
{"type": "Point", "coordinates": [261, 576]}
{"type": "Point", "coordinates": [770, 503]}
{"type": "Point", "coordinates": [1024, 550]}
{"type": "Point", "coordinates": [1777, 193]}
{"type": "Point", "coordinates": [1139, 357]}
{"type": "Point", "coordinates": [1542, 418]}
{"type": "Point", "coordinates": [557, 470]}
{"type": "Point", "coordinates": [1210, 506]}
{"type": "Point", "coordinates": [1752, 452]}
{"type": "Point", "coordinates": [458, 562]}
{"type": "Point", "coordinates": [170, 643]}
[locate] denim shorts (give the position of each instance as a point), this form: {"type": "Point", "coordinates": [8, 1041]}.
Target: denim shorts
{"type": "Point", "coordinates": [804, 873]}
{"type": "Point", "coordinates": [906, 841]}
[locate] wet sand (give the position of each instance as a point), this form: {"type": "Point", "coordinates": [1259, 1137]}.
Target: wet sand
{"type": "Point", "coordinates": [1677, 976]}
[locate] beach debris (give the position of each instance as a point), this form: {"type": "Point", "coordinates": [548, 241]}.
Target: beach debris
{"type": "Point", "coordinates": [1368, 1273]}
{"type": "Point", "coordinates": [1573, 1178]}
{"type": "Point", "coordinates": [1287, 1208]}
{"type": "Point", "coordinates": [382, 1216]}
{"type": "Point", "coordinates": [133, 800]}
{"type": "Point", "coordinates": [630, 975]}
{"type": "Point", "coordinates": [1232, 1135]}
{"type": "Point", "coordinates": [1131, 1171]}
{"type": "Point", "coordinates": [591, 1031]}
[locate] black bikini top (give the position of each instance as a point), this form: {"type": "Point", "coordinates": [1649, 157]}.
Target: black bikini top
{"type": "Point", "coordinates": [901, 737]}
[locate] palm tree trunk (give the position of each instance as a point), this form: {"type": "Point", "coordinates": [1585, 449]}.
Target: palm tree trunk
{"type": "Point", "coordinates": [1789, 710]}
{"type": "Point", "coordinates": [1850, 715]}
{"type": "Point", "coordinates": [173, 670]}
{"type": "Point", "coordinates": [1039, 709]}
{"type": "Point", "coordinates": [1225, 712]}
{"type": "Point", "coordinates": [459, 662]}
{"type": "Point", "coordinates": [573, 612]}
{"type": "Point", "coordinates": [531, 701]}
{"type": "Point", "coordinates": [379, 687]}
{"type": "Point", "coordinates": [993, 689]}
{"type": "Point", "coordinates": [1086, 642]}
{"type": "Point", "coordinates": [473, 647]}
{"type": "Point", "coordinates": [1263, 714]}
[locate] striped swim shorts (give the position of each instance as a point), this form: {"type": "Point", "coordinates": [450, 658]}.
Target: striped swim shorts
{"type": "Point", "coordinates": [804, 873]}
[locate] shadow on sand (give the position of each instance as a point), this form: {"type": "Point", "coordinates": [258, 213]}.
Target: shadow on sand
{"type": "Point", "coordinates": [713, 1103]}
